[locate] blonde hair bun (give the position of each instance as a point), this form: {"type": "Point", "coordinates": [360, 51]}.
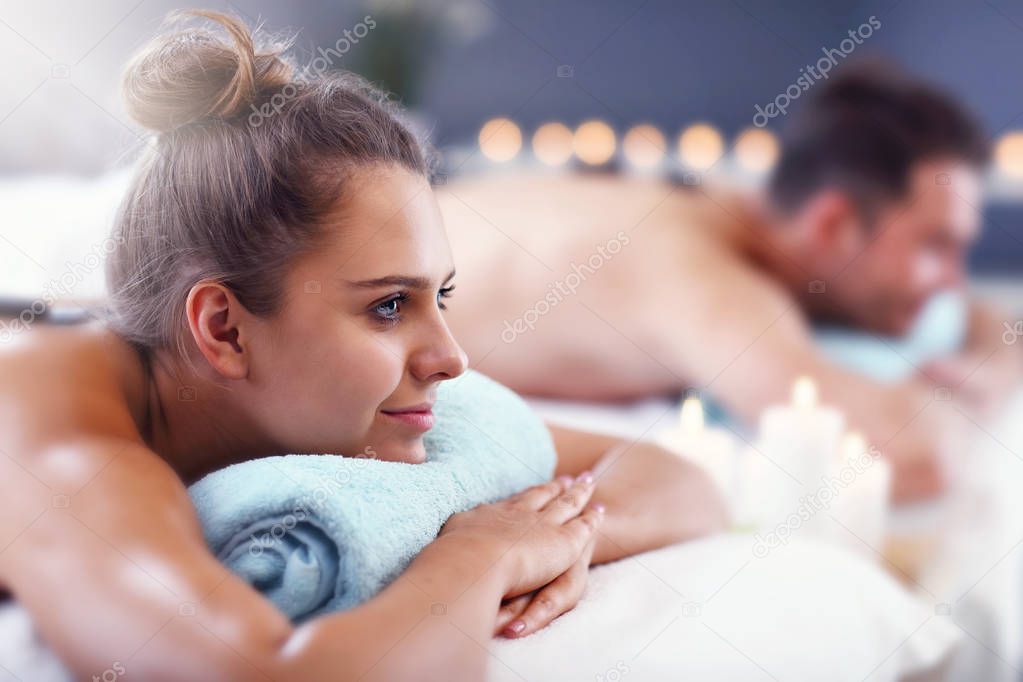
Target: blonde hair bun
{"type": "Point", "coordinates": [193, 74]}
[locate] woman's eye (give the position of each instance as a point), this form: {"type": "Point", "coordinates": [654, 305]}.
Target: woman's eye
{"type": "Point", "coordinates": [389, 309]}
{"type": "Point", "coordinates": [444, 293]}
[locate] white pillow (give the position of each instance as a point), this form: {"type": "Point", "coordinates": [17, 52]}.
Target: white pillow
{"type": "Point", "coordinates": [710, 610]}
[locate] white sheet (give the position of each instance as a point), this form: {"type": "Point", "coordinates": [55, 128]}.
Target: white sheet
{"type": "Point", "coordinates": [710, 610]}
{"type": "Point", "coordinates": [706, 610]}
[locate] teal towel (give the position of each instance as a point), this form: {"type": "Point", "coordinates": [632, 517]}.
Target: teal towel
{"type": "Point", "coordinates": [321, 533]}
{"type": "Point", "coordinates": [938, 332]}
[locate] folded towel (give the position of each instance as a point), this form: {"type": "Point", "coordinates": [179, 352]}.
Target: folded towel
{"type": "Point", "coordinates": [939, 331]}
{"type": "Point", "coordinates": [320, 533]}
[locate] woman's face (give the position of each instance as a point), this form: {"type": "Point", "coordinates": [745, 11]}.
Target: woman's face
{"type": "Point", "coordinates": [352, 363]}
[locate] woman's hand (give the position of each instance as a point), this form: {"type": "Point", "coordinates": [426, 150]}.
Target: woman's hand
{"type": "Point", "coordinates": [654, 497]}
{"type": "Point", "coordinates": [536, 535]}
{"type": "Point", "coordinates": [527, 613]}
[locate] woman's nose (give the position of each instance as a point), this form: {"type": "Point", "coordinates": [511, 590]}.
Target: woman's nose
{"type": "Point", "coordinates": [440, 360]}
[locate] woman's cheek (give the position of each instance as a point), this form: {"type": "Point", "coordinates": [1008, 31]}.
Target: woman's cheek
{"type": "Point", "coordinates": [374, 369]}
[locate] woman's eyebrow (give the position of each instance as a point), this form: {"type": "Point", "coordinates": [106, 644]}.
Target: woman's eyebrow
{"type": "Point", "coordinates": [407, 281]}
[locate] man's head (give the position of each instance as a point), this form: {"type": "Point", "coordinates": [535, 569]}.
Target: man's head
{"type": "Point", "coordinates": [878, 188]}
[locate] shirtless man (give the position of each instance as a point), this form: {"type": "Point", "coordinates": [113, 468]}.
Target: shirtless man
{"type": "Point", "coordinates": [597, 287]}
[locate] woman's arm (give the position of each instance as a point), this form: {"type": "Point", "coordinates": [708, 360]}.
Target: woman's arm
{"type": "Point", "coordinates": [121, 575]}
{"type": "Point", "coordinates": [653, 497]}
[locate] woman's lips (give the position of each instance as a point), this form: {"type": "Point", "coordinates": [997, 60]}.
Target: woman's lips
{"type": "Point", "coordinates": [418, 419]}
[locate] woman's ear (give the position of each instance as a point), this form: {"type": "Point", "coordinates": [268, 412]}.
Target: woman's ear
{"type": "Point", "coordinates": [217, 322]}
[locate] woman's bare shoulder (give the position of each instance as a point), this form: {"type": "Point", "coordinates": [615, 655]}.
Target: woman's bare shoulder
{"type": "Point", "coordinates": [61, 385]}
{"type": "Point", "coordinates": [67, 430]}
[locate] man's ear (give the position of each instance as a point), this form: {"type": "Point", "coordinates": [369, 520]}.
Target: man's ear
{"type": "Point", "coordinates": [834, 225]}
{"type": "Point", "coordinates": [216, 320]}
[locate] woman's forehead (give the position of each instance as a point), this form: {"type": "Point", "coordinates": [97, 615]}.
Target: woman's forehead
{"type": "Point", "coordinates": [394, 226]}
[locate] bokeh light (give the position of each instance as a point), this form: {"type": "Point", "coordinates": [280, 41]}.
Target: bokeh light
{"type": "Point", "coordinates": [500, 139]}
{"type": "Point", "coordinates": [644, 146]}
{"type": "Point", "coordinates": [756, 150]}
{"type": "Point", "coordinates": [594, 142]}
{"type": "Point", "coordinates": [1009, 154]}
{"type": "Point", "coordinates": [552, 143]}
{"type": "Point", "coordinates": [700, 146]}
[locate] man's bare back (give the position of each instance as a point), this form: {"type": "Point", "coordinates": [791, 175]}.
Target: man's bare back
{"type": "Point", "coordinates": [569, 284]}
{"type": "Point", "coordinates": [546, 307]}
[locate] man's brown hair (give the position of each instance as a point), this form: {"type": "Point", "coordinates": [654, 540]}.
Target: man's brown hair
{"type": "Point", "coordinates": [863, 130]}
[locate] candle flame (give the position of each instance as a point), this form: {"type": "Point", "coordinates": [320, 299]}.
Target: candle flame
{"type": "Point", "coordinates": [691, 415]}
{"type": "Point", "coordinates": [804, 393]}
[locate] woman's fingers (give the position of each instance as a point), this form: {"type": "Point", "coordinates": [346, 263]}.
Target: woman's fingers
{"type": "Point", "coordinates": [557, 597]}
{"type": "Point", "coordinates": [569, 503]}
{"type": "Point", "coordinates": [512, 609]}
{"type": "Point", "coordinates": [583, 528]}
{"type": "Point", "coordinates": [538, 496]}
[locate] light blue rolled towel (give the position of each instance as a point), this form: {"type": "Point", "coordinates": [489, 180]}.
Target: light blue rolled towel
{"type": "Point", "coordinates": [939, 331]}
{"type": "Point", "coordinates": [321, 533]}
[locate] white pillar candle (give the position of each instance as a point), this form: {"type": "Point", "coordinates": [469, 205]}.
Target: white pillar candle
{"type": "Point", "coordinates": [864, 480]}
{"type": "Point", "coordinates": [758, 481]}
{"type": "Point", "coordinates": [802, 437]}
{"type": "Point", "coordinates": [713, 449]}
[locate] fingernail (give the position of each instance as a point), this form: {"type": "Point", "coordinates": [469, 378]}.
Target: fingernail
{"type": "Point", "coordinates": [565, 480]}
{"type": "Point", "coordinates": [600, 507]}
{"type": "Point", "coordinates": [585, 477]}
{"type": "Point", "coordinates": [516, 627]}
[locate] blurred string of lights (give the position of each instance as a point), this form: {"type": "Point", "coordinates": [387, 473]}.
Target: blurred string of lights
{"type": "Point", "coordinates": [700, 147]}
{"type": "Point", "coordinates": [643, 148]}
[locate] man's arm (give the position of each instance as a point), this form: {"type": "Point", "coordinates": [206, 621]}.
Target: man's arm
{"type": "Point", "coordinates": [653, 497]}
{"type": "Point", "coordinates": [989, 366]}
{"type": "Point", "coordinates": [986, 327]}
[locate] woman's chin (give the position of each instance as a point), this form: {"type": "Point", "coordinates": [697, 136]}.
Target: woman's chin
{"type": "Point", "coordinates": [409, 453]}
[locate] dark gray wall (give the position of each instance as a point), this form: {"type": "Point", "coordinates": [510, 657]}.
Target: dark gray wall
{"type": "Point", "coordinates": [663, 61]}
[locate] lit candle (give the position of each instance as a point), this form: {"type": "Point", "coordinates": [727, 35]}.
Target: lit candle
{"type": "Point", "coordinates": [756, 483]}
{"type": "Point", "coordinates": [713, 449]}
{"type": "Point", "coordinates": [864, 480]}
{"type": "Point", "coordinates": [803, 436]}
